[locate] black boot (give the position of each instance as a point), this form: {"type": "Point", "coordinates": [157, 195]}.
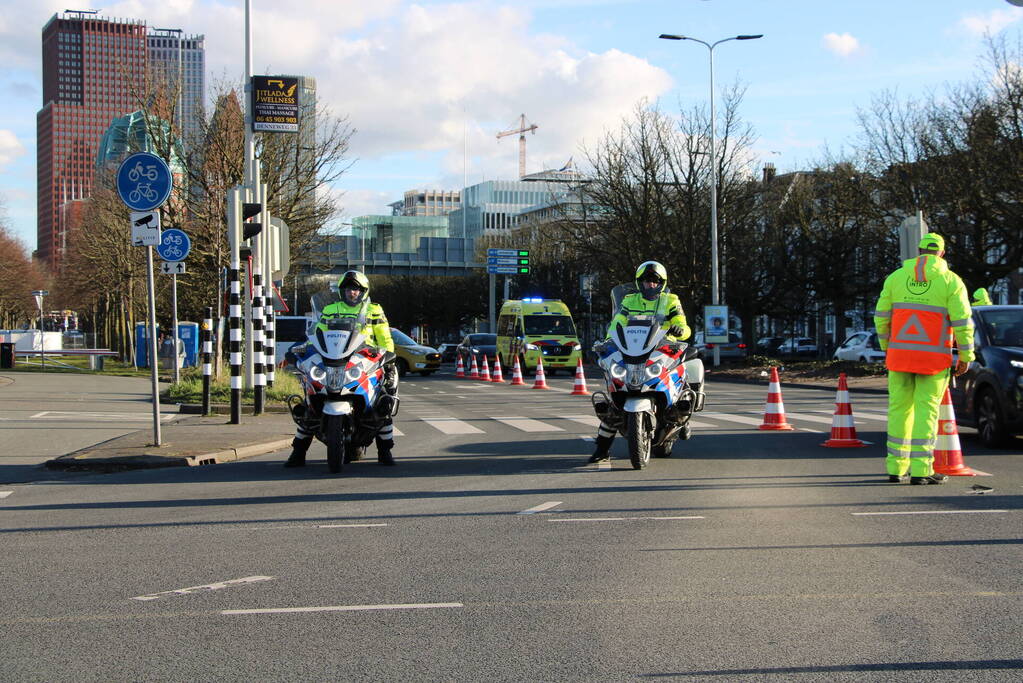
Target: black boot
{"type": "Point", "coordinates": [384, 456]}
{"type": "Point", "coordinates": [298, 449]}
{"type": "Point", "coordinates": [603, 451]}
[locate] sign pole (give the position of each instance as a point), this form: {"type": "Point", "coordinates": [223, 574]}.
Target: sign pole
{"type": "Point", "coordinates": [174, 305]}
{"type": "Point", "coordinates": [152, 346]}
{"type": "Point", "coordinates": [42, 334]}
{"type": "Point", "coordinates": [493, 295]}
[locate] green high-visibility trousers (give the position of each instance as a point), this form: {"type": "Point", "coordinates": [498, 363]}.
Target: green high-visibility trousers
{"type": "Point", "coordinates": [913, 402]}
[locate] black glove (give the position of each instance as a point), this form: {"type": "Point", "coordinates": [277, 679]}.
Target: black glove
{"type": "Point", "coordinates": [675, 331]}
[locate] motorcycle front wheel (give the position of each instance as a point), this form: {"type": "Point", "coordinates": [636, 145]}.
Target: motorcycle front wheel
{"type": "Point", "coordinates": [334, 433]}
{"type": "Point", "coordinates": [639, 440]}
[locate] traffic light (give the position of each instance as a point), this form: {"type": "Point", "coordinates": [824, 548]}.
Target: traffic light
{"type": "Point", "coordinates": [523, 261]}
{"type": "Point", "coordinates": [250, 209]}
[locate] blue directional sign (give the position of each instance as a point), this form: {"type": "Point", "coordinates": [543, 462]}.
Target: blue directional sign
{"type": "Point", "coordinates": [506, 253]}
{"type": "Point", "coordinates": [174, 245]}
{"type": "Point", "coordinates": [144, 181]}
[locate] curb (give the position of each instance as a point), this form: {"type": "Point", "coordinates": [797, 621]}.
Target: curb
{"type": "Point", "coordinates": [79, 462]}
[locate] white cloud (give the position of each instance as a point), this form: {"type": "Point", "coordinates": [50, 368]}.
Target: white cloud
{"type": "Point", "coordinates": [841, 44]}
{"type": "Point", "coordinates": [10, 148]}
{"type": "Point", "coordinates": [992, 22]}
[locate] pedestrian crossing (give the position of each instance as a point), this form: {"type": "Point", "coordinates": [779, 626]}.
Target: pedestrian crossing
{"type": "Point", "coordinates": [584, 424]}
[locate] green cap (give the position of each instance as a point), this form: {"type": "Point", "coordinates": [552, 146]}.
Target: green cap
{"type": "Point", "coordinates": [933, 240]}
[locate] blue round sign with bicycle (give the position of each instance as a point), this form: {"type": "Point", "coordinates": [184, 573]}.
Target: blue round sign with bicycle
{"type": "Point", "coordinates": [144, 181]}
{"type": "Point", "coordinates": [174, 245]}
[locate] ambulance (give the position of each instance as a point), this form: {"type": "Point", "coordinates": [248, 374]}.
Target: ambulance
{"type": "Point", "coordinates": [529, 328]}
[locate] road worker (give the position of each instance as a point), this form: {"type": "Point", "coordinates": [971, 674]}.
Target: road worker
{"type": "Point", "coordinates": [922, 305]}
{"type": "Point", "coordinates": [981, 297]}
{"type": "Point", "coordinates": [353, 288]}
{"type": "Point", "coordinates": [651, 281]}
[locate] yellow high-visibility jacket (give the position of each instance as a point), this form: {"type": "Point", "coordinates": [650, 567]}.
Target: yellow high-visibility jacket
{"type": "Point", "coordinates": [375, 328]}
{"type": "Point", "coordinates": [667, 304]}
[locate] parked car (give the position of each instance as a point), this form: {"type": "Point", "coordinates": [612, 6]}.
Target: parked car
{"type": "Point", "coordinates": [989, 396]}
{"type": "Point", "coordinates": [798, 346]}
{"type": "Point", "coordinates": [448, 351]}
{"type": "Point", "coordinates": [768, 345]}
{"type": "Point", "coordinates": [862, 347]}
{"type": "Point", "coordinates": [733, 350]}
{"type": "Point", "coordinates": [413, 356]}
{"type": "Point", "coordinates": [478, 344]}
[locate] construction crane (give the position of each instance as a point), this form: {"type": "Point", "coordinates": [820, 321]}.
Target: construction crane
{"type": "Point", "coordinates": [521, 130]}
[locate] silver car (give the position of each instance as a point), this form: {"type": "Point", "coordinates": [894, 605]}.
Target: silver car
{"type": "Point", "coordinates": [862, 347]}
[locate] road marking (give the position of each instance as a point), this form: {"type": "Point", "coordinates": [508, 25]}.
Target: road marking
{"type": "Point", "coordinates": [343, 608]}
{"type": "Point", "coordinates": [4, 494]}
{"type": "Point", "coordinates": [112, 417]}
{"type": "Point", "coordinates": [927, 512]}
{"type": "Point", "coordinates": [208, 587]}
{"type": "Point", "coordinates": [808, 418]}
{"type": "Point", "coordinates": [346, 526]}
{"type": "Point", "coordinates": [617, 519]}
{"type": "Point", "coordinates": [589, 420]}
{"type": "Point", "coordinates": [981, 474]}
{"type": "Point", "coordinates": [451, 425]}
{"type": "Point", "coordinates": [528, 425]}
{"type": "Point", "coordinates": [397, 432]}
{"type": "Point", "coordinates": [734, 418]}
{"type": "Point", "coordinates": [540, 508]}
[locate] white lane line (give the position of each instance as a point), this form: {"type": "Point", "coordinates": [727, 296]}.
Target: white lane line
{"type": "Point", "coordinates": [734, 418]}
{"type": "Point", "coordinates": [343, 608]}
{"type": "Point", "coordinates": [589, 420]}
{"type": "Point", "coordinates": [346, 526]}
{"type": "Point", "coordinates": [618, 519]}
{"type": "Point", "coordinates": [397, 432]}
{"type": "Point", "coordinates": [451, 425]}
{"type": "Point", "coordinates": [981, 474]}
{"type": "Point", "coordinates": [208, 587]}
{"type": "Point", "coordinates": [867, 415]}
{"type": "Point", "coordinates": [927, 512]}
{"type": "Point", "coordinates": [102, 417]}
{"type": "Point", "coordinates": [4, 494]}
{"type": "Point", "coordinates": [808, 418]}
{"type": "Point", "coordinates": [526, 424]}
{"type": "Point", "coordinates": [541, 507]}
{"type": "Point", "coordinates": [702, 425]}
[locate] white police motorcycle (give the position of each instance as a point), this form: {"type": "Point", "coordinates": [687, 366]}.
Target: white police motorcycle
{"type": "Point", "coordinates": [345, 400]}
{"type": "Point", "coordinates": [653, 386]}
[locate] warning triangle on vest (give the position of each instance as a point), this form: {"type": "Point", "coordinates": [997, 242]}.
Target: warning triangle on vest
{"type": "Point", "coordinates": [913, 330]}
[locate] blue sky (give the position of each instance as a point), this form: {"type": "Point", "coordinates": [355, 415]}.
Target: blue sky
{"type": "Point", "coordinates": [418, 78]}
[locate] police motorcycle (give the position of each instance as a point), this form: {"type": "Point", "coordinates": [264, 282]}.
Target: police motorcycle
{"type": "Point", "coordinates": [346, 401]}
{"type": "Point", "coordinates": [653, 386]}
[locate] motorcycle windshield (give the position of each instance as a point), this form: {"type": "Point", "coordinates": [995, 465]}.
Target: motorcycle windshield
{"type": "Point", "coordinates": [341, 338]}
{"type": "Point", "coordinates": [638, 336]}
{"type": "Point", "coordinates": [320, 301]}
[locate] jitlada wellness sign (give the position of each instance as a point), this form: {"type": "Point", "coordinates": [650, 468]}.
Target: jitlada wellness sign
{"type": "Point", "coordinates": [274, 104]}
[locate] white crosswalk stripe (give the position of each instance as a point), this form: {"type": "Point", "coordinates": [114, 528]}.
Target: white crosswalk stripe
{"type": "Point", "coordinates": [527, 424]}
{"type": "Point", "coordinates": [451, 425]}
{"type": "Point", "coordinates": [733, 418]}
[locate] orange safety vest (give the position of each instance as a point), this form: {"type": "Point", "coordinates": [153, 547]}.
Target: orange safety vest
{"type": "Point", "coordinates": [920, 339]}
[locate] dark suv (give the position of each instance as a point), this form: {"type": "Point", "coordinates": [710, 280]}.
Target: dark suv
{"type": "Point", "coordinates": [989, 396]}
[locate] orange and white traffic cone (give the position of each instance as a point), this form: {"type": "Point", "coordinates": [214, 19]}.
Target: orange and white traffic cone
{"type": "Point", "coordinates": [541, 380]}
{"type": "Point", "coordinates": [579, 387]}
{"type": "Point", "coordinates": [948, 454]}
{"type": "Point", "coordinates": [498, 378]}
{"type": "Point", "coordinates": [774, 409]}
{"type": "Point", "coordinates": [843, 425]}
{"type": "Point", "coordinates": [516, 380]}
{"type": "Point", "coordinates": [459, 368]}
{"type": "Point", "coordinates": [485, 372]}
{"type": "Point", "coordinates": [474, 371]}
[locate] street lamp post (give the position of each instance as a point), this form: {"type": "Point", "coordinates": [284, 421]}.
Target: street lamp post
{"type": "Point", "coordinates": [715, 289]}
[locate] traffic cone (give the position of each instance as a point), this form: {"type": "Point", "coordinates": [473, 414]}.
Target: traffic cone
{"type": "Point", "coordinates": [474, 371]}
{"type": "Point", "coordinates": [843, 425]}
{"type": "Point", "coordinates": [516, 380]}
{"type": "Point", "coordinates": [948, 454]}
{"type": "Point", "coordinates": [774, 409]}
{"type": "Point", "coordinates": [498, 378]}
{"type": "Point", "coordinates": [541, 380]}
{"type": "Point", "coordinates": [485, 373]}
{"type": "Point", "coordinates": [459, 368]}
{"type": "Point", "coordinates": [579, 387]}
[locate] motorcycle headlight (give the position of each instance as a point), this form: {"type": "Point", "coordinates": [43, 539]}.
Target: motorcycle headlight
{"type": "Point", "coordinates": [618, 371]}
{"type": "Point", "coordinates": [653, 370]}
{"type": "Point", "coordinates": [317, 373]}
{"type": "Point", "coordinates": [353, 373]}
{"type": "Point", "coordinates": [334, 376]}
{"type": "Point", "coordinates": [637, 375]}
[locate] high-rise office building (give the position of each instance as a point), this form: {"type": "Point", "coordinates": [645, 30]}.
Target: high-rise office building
{"type": "Point", "coordinates": [94, 71]}
{"type": "Point", "coordinates": [171, 53]}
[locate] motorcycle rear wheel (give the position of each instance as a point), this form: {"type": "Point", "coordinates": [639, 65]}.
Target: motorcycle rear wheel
{"type": "Point", "coordinates": [639, 440]}
{"type": "Point", "coordinates": [334, 432]}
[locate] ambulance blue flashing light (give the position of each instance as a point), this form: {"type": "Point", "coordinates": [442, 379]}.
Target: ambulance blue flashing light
{"type": "Point", "coordinates": [534, 300]}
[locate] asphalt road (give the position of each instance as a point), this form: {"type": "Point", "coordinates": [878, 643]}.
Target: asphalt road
{"type": "Point", "coordinates": [493, 552]}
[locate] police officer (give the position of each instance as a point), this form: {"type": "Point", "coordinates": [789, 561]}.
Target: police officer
{"type": "Point", "coordinates": [353, 287]}
{"type": "Point", "coordinates": [651, 280]}
{"type": "Point", "coordinates": [922, 305]}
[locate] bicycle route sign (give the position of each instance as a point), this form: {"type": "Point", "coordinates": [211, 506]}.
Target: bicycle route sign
{"type": "Point", "coordinates": [144, 181]}
{"type": "Point", "coordinates": [174, 245]}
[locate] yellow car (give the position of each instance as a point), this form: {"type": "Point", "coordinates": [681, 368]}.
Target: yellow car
{"type": "Point", "coordinates": [413, 356]}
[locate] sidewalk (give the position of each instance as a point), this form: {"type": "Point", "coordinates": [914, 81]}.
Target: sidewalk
{"type": "Point", "coordinates": [192, 440]}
